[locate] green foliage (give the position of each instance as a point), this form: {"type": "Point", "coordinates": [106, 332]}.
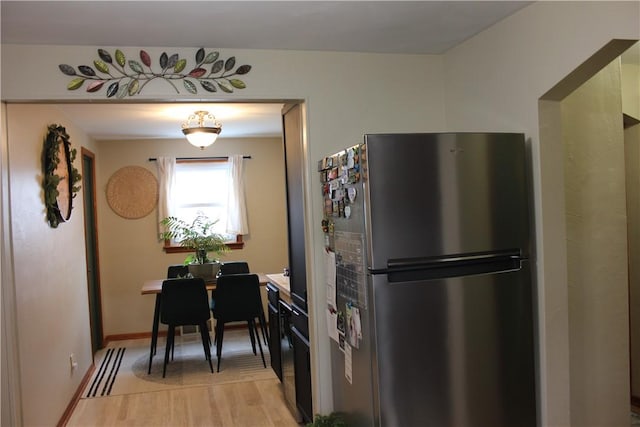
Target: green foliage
{"type": "Point", "coordinates": [334, 419]}
{"type": "Point", "coordinates": [197, 235]}
{"type": "Point", "coordinates": [56, 135]}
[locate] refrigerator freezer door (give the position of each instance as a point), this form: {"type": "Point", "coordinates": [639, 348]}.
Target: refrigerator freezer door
{"type": "Point", "coordinates": [455, 351]}
{"type": "Point", "coordinates": [443, 194]}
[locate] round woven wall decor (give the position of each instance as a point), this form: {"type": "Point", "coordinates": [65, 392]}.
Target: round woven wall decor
{"type": "Point", "coordinates": [132, 192]}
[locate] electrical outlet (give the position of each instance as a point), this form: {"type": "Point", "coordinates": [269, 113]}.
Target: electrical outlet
{"type": "Point", "coordinates": [72, 361]}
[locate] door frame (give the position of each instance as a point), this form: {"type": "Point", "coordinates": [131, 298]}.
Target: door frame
{"type": "Point", "coordinates": [93, 277]}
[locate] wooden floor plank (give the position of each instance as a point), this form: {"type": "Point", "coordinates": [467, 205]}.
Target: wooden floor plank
{"type": "Point", "coordinates": [252, 403]}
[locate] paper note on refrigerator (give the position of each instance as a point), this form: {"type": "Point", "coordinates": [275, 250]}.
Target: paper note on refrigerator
{"type": "Point", "coordinates": [348, 371]}
{"type": "Point", "coordinates": [332, 323]}
{"type": "Point", "coordinates": [330, 274]}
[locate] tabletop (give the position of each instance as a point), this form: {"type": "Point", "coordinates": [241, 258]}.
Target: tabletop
{"type": "Point", "coordinates": [154, 286]}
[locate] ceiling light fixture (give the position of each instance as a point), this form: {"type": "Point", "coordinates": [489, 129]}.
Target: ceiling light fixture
{"type": "Point", "coordinates": [197, 133]}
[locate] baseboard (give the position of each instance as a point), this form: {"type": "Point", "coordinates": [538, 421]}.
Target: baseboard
{"type": "Point", "coordinates": [141, 335]}
{"type": "Point", "coordinates": [635, 404]}
{"type": "Point", "coordinates": [133, 336]}
{"type": "Point", "coordinates": [76, 397]}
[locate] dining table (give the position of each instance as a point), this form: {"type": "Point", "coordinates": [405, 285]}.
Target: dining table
{"type": "Point", "coordinates": [154, 287]}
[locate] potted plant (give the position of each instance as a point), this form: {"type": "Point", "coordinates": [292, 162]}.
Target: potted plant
{"type": "Point", "coordinates": [334, 419]}
{"type": "Point", "coordinates": [199, 235]}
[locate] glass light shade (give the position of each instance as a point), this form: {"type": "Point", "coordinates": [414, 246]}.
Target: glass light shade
{"type": "Point", "coordinates": [197, 133]}
{"type": "Point", "coordinates": [201, 137]}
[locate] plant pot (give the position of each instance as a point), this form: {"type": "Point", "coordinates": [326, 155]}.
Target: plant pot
{"type": "Point", "coordinates": [206, 271]}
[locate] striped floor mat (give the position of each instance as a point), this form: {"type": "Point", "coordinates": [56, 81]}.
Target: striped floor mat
{"type": "Point", "coordinates": [123, 369]}
{"type": "Point", "coordinates": [104, 379]}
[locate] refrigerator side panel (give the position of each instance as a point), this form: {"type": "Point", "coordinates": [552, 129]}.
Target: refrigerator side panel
{"type": "Point", "coordinates": [451, 193]}
{"type": "Point", "coordinates": [354, 398]}
{"type": "Point", "coordinates": [456, 351]}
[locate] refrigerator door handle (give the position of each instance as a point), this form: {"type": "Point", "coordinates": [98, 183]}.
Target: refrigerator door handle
{"type": "Point", "coordinates": [409, 269]}
{"type": "Point", "coordinates": [454, 259]}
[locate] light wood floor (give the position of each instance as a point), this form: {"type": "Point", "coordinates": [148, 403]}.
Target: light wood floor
{"type": "Point", "coordinates": [251, 404]}
{"type": "Point", "coordinates": [255, 404]}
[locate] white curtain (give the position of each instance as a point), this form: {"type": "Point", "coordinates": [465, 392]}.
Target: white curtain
{"type": "Point", "coordinates": [237, 216]}
{"type": "Point", "coordinates": [166, 181]}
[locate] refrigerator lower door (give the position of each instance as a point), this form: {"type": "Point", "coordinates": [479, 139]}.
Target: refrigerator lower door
{"type": "Point", "coordinates": [455, 351]}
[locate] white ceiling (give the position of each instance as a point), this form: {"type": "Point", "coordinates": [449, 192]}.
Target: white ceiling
{"type": "Point", "coordinates": [421, 27]}
{"type": "Point", "coordinates": [414, 27]}
{"type": "Point", "coordinates": [150, 121]}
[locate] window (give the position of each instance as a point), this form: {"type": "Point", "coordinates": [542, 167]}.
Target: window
{"type": "Point", "coordinates": [202, 186]}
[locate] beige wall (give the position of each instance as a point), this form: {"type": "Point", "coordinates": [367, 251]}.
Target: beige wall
{"type": "Point", "coordinates": [129, 249]}
{"type": "Point", "coordinates": [345, 96]}
{"type": "Point", "coordinates": [50, 272]}
{"type": "Point", "coordinates": [631, 84]}
{"type": "Point", "coordinates": [11, 399]}
{"type": "Point", "coordinates": [491, 82]}
{"type": "Point", "coordinates": [494, 81]}
{"type": "Point", "coordinates": [597, 250]}
{"type": "Point", "coordinates": [632, 161]}
{"type": "Point", "coordinates": [631, 107]}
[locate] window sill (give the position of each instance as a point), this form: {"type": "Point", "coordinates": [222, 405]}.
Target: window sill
{"type": "Point", "coordinates": [171, 249]}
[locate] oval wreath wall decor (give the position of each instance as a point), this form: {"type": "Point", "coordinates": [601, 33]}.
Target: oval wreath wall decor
{"type": "Point", "coordinates": [60, 176]}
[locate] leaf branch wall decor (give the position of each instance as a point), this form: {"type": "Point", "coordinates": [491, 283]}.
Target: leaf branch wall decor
{"type": "Point", "coordinates": [128, 77]}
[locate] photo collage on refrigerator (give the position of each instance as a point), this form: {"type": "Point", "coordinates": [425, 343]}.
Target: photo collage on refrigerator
{"type": "Point", "coordinates": [341, 179]}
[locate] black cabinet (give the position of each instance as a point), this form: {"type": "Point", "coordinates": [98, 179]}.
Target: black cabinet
{"type": "Point", "coordinates": [281, 347]}
{"type": "Point", "coordinates": [302, 362]}
{"type": "Point", "coordinates": [286, 351]}
{"type": "Point", "coordinates": [294, 165]}
{"type": "Point", "coordinates": [292, 123]}
{"type": "Point", "coordinates": [275, 329]}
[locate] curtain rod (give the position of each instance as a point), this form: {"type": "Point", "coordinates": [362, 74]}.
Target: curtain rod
{"type": "Point", "coordinates": [153, 159]}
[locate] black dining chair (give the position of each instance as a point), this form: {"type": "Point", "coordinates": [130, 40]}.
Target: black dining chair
{"type": "Point", "coordinates": [237, 299]}
{"type": "Point", "coordinates": [177, 271]}
{"type": "Point", "coordinates": [231, 267]}
{"type": "Point", "coordinates": [173, 272]}
{"type": "Point", "coordinates": [234, 267]}
{"type": "Point", "coordinates": [242, 267]}
{"type": "Point", "coordinates": [185, 302]}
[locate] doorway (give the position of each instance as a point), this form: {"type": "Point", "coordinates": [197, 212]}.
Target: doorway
{"type": "Point", "coordinates": [632, 165]}
{"type": "Point", "coordinates": [91, 248]}
{"type": "Point", "coordinates": [581, 118]}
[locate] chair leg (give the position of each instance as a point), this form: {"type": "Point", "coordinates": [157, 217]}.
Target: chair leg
{"type": "Point", "coordinates": [219, 337]}
{"type": "Point", "coordinates": [251, 326]}
{"type": "Point", "coordinates": [204, 334]}
{"type": "Point", "coordinates": [215, 330]}
{"type": "Point", "coordinates": [170, 337]}
{"type": "Point", "coordinates": [265, 330]}
{"type": "Point", "coordinates": [264, 363]}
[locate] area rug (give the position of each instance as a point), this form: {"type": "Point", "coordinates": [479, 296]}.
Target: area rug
{"type": "Point", "coordinates": [123, 370]}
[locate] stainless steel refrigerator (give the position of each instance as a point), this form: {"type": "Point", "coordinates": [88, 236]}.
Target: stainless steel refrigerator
{"type": "Point", "coordinates": [433, 298]}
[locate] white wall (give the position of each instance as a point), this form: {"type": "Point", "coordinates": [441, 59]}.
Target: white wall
{"type": "Point", "coordinates": [491, 82]}
{"type": "Point", "coordinates": [632, 163]}
{"type": "Point", "coordinates": [130, 252]}
{"type": "Point", "coordinates": [11, 406]}
{"type": "Point", "coordinates": [596, 221]}
{"type": "Point", "coordinates": [494, 81]}
{"type": "Point", "coordinates": [50, 272]}
{"type": "Point", "coordinates": [345, 95]}
{"type": "Point", "coordinates": [631, 90]}
{"type": "Point", "coordinates": [631, 81]}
